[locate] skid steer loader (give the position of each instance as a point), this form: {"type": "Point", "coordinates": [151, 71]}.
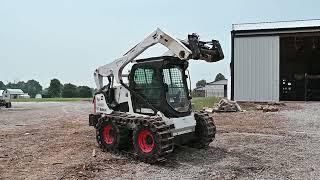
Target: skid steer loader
{"type": "Point", "coordinates": [146, 112]}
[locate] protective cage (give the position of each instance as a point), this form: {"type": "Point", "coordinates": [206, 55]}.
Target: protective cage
{"type": "Point", "coordinates": [176, 93]}
{"type": "Point", "coordinates": [160, 83]}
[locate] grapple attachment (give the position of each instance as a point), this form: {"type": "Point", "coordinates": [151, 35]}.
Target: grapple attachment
{"type": "Point", "coordinates": [208, 51]}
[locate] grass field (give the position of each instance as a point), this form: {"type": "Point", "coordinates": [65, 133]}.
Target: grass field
{"type": "Point", "coordinates": [52, 100]}
{"type": "Point", "coordinates": [198, 102]}
{"type": "Point", "coordinates": [201, 102]}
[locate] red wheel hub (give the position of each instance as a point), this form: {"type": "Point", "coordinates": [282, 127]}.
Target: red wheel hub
{"type": "Point", "coordinates": [108, 134]}
{"type": "Point", "coordinates": [146, 141]}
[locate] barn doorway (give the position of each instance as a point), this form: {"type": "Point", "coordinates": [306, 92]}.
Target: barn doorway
{"type": "Point", "coordinates": [225, 91]}
{"type": "Point", "coordinates": [300, 67]}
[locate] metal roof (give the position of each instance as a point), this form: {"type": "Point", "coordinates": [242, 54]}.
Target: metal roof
{"type": "Point", "coordinates": [15, 91]}
{"type": "Point", "coordinates": [220, 82]}
{"type": "Point", "coordinates": [25, 95]}
{"type": "Point", "coordinates": [276, 25]}
{"type": "Point", "coordinates": [1, 91]}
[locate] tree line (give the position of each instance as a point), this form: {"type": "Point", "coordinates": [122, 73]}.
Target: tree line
{"type": "Point", "coordinates": [56, 89]}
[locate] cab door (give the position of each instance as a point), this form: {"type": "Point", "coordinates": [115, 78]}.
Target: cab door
{"type": "Point", "coordinates": [147, 88]}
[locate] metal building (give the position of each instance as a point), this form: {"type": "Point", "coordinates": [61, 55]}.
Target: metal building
{"type": "Point", "coordinates": [276, 61]}
{"type": "Point", "coordinates": [12, 94]}
{"type": "Point", "coordinates": [215, 88]}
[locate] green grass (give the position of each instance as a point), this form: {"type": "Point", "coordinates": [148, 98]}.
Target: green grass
{"type": "Point", "coordinates": [201, 102]}
{"type": "Point", "coordinates": [52, 100]}
{"type": "Point", "coordinates": [198, 102]}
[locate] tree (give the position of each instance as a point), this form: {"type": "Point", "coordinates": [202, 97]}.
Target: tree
{"type": "Point", "coordinates": [84, 91]}
{"type": "Point", "coordinates": [69, 91]}
{"type": "Point", "coordinates": [93, 90]}
{"type": "Point", "coordinates": [19, 85]}
{"type": "Point", "coordinates": [2, 86]}
{"type": "Point", "coordinates": [32, 87]}
{"type": "Point", "coordinates": [201, 83]}
{"type": "Point", "coordinates": [219, 77]}
{"type": "Point", "coordinates": [45, 93]}
{"type": "Point", "coordinates": [55, 88]}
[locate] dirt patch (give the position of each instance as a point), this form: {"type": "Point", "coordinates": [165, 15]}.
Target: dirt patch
{"type": "Point", "coordinates": [250, 122]}
{"type": "Point", "coordinates": [54, 141]}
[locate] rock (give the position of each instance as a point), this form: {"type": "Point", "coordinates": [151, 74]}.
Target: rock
{"type": "Point", "coordinates": [94, 153]}
{"type": "Point", "coordinates": [276, 104]}
{"type": "Point", "coordinates": [225, 105]}
{"type": "Point", "coordinates": [259, 107]}
{"type": "Point", "coordinates": [268, 108]}
{"type": "Point", "coordinates": [273, 109]}
{"type": "Point", "coordinates": [209, 110]}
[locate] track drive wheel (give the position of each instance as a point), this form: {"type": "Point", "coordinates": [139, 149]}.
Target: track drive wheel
{"type": "Point", "coordinates": [146, 144]}
{"type": "Point", "coordinates": [205, 130]}
{"type": "Point", "coordinates": [110, 136]}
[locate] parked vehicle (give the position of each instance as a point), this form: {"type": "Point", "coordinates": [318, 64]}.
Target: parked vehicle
{"type": "Point", "coordinates": [4, 103]}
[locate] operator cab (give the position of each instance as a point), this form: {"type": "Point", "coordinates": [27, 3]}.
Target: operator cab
{"type": "Point", "coordinates": [160, 84]}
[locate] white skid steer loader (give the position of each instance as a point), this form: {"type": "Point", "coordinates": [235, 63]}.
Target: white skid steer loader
{"type": "Point", "coordinates": [144, 113]}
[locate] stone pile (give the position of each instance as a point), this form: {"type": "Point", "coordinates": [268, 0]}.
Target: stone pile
{"type": "Point", "coordinates": [224, 105]}
{"type": "Point", "coordinates": [267, 108]}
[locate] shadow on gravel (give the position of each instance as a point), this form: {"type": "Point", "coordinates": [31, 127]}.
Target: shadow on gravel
{"type": "Point", "coordinates": [184, 155]}
{"type": "Point", "coordinates": [223, 162]}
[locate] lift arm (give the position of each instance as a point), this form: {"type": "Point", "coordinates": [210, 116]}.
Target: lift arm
{"type": "Point", "coordinates": [193, 49]}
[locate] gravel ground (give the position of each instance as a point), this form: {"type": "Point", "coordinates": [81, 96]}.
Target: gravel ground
{"type": "Point", "coordinates": [54, 141]}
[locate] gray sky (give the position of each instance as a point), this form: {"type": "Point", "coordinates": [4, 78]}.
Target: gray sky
{"type": "Point", "coordinates": [65, 39]}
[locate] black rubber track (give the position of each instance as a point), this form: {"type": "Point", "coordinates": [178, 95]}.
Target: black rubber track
{"type": "Point", "coordinates": [158, 127]}
{"type": "Point", "coordinates": [120, 135]}
{"type": "Point", "coordinates": [205, 130]}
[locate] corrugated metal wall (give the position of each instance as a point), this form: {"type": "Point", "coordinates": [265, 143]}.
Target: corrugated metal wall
{"type": "Point", "coordinates": [211, 90]}
{"type": "Point", "coordinates": [256, 68]}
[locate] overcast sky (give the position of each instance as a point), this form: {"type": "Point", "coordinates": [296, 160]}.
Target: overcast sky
{"type": "Point", "coordinates": [68, 39]}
